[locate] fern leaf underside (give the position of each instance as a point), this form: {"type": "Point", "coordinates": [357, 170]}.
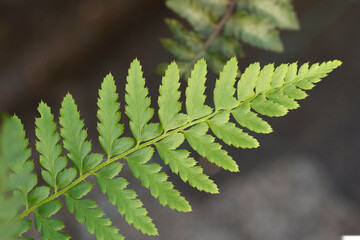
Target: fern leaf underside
{"type": "Point", "coordinates": [268, 91]}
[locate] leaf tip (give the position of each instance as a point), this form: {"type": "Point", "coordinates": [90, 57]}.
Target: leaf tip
{"type": "Point", "coordinates": [337, 63]}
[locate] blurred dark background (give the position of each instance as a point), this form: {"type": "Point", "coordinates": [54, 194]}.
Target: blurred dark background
{"type": "Point", "coordinates": [302, 183]}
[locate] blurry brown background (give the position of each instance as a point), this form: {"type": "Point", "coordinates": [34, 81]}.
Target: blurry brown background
{"type": "Point", "coordinates": [302, 183]}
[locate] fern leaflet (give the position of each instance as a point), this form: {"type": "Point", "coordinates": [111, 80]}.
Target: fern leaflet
{"type": "Point", "coordinates": [48, 146]}
{"type": "Point", "coordinates": [108, 126]}
{"type": "Point", "coordinates": [151, 177]}
{"type": "Point", "coordinates": [180, 163]}
{"type": "Point", "coordinates": [125, 199]}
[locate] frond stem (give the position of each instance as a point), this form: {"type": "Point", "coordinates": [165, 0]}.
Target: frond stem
{"type": "Point", "coordinates": [218, 27]}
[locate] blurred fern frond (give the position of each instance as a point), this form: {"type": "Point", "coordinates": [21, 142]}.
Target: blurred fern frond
{"type": "Point", "coordinates": [221, 27]}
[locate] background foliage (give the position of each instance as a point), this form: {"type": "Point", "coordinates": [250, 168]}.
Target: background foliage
{"type": "Point", "coordinates": [221, 26]}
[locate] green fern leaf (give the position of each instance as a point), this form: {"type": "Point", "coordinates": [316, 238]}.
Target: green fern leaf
{"type": "Point", "coordinates": [151, 177]}
{"type": "Point", "coordinates": [66, 177]}
{"type": "Point", "coordinates": [254, 30]}
{"type": "Point", "coordinates": [291, 72]}
{"type": "Point", "coordinates": [80, 190]}
{"type": "Point", "coordinates": [218, 7]}
{"type": "Point", "coordinates": [15, 187]}
{"type": "Point", "coordinates": [250, 120]}
{"type": "Point", "coordinates": [180, 163]}
{"type": "Point", "coordinates": [14, 145]}
{"type": "Point", "coordinates": [263, 84]}
{"type": "Point", "coordinates": [215, 61]}
{"type": "Point", "coordinates": [224, 87]}
{"type": "Point", "coordinates": [229, 133]}
{"type": "Point", "coordinates": [109, 116]}
{"type": "Point", "coordinates": [199, 16]}
{"type": "Point", "coordinates": [10, 230]}
{"type": "Point", "coordinates": [247, 82]}
{"type": "Point", "coordinates": [125, 199]}
{"type": "Point", "coordinates": [169, 105]}
{"type": "Point", "coordinates": [38, 194]}
{"type": "Point", "coordinates": [151, 130]}
{"type": "Point", "coordinates": [266, 107]}
{"type": "Point", "coordinates": [180, 51]}
{"type": "Point", "coordinates": [92, 160]}
{"type": "Point", "coordinates": [138, 103]}
{"type": "Point", "coordinates": [227, 46]}
{"type": "Point", "coordinates": [279, 97]}
{"type": "Point", "coordinates": [204, 144]}
{"type": "Point", "coordinates": [50, 208]}
{"type": "Point", "coordinates": [86, 212]}
{"type": "Point", "coordinates": [49, 227]}
{"type": "Point", "coordinates": [281, 13]}
{"type": "Point", "coordinates": [48, 146]}
{"type": "Point", "coordinates": [305, 85]}
{"type": "Point", "coordinates": [15, 152]}
{"type": "Point", "coordinates": [195, 97]}
{"type": "Point", "coordinates": [110, 171]}
{"type": "Point", "coordinates": [9, 205]}
{"type": "Point", "coordinates": [294, 92]}
{"type": "Point", "coordinates": [190, 39]}
{"type": "Point", "coordinates": [73, 133]}
{"type": "Point", "coordinates": [279, 75]}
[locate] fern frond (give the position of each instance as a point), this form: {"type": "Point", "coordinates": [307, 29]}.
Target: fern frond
{"type": "Point", "coordinates": [221, 26]}
{"type": "Point", "coordinates": [268, 91]}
